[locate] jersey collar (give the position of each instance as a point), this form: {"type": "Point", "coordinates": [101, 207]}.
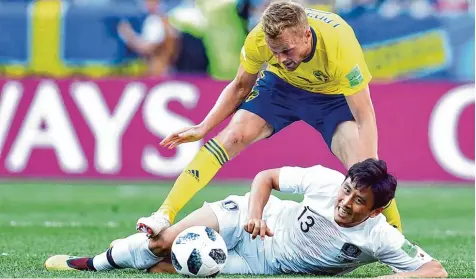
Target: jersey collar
{"type": "Point", "coordinates": [314, 41]}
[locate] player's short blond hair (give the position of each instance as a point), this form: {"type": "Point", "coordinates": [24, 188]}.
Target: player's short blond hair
{"type": "Point", "coordinates": [281, 15]}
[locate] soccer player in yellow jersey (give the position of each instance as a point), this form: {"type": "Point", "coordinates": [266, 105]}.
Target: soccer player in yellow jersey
{"type": "Point", "coordinates": [315, 72]}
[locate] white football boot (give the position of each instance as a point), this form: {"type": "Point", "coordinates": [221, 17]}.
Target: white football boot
{"type": "Point", "coordinates": [153, 224]}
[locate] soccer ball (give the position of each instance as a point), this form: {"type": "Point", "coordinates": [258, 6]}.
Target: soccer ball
{"type": "Point", "coordinates": [199, 252]}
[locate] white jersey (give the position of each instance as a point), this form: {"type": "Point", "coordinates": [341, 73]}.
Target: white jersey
{"type": "Point", "coordinates": [308, 240]}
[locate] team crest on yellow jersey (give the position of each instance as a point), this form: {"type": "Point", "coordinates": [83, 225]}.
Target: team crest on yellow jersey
{"type": "Point", "coordinates": [253, 94]}
{"type": "Point", "coordinates": [321, 76]}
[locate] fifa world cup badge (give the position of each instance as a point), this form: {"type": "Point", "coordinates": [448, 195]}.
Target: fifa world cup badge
{"type": "Point", "coordinates": [355, 77]}
{"type": "Point", "coordinates": [410, 248]}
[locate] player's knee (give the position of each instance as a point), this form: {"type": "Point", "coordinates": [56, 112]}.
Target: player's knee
{"type": "Point", "coordinates": [232, 136]}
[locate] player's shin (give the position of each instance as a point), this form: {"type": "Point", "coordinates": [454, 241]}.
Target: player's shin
{"type": "Point", "coordinates": [392, 215]}
{"type": "Point", "coordinates": [196, 176]}
{"type": "Point", "coordinates": [130, 252]}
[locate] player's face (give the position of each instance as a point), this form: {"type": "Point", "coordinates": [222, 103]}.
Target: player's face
{"type": "Point", "coordinates": [291, 47]}
{"type": "Point", "coordinates": [353, 206]}
{"type": "Point", "coordinates": [151, 5]}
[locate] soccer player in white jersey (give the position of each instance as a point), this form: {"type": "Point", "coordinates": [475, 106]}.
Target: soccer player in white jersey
{"type": "Point", "coordinates": [335, 229]}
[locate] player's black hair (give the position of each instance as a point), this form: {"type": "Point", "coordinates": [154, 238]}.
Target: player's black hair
{"type": "Point", "coordinates": [373, 173]}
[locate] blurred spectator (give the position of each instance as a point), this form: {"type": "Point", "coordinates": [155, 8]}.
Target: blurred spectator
{"type": "Point", "coordinates": [190, 23]}
{"type": "Point", "coordinates": [356, 7]}
{"type": "Point", "coordinates": [92, 2]}
{"type": "Point", "coordinates": [157, 42]}
{"type": "Point", "coordinates": [415, 8]}
{"type": "Point", "coordinates": [251, 10]}
{"type": "Point", "coordinates": [452, 7]}
{"type": "Point", "coordinates": [393, 8]}
{"type": "Point", "coordinates": [213, 30]}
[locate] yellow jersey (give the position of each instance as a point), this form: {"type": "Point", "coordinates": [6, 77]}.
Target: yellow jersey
{"type": "Point", "coordinates": [336, 64]}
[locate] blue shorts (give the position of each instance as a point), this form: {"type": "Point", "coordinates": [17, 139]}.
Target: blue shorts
{"type": "Point", "coordinates": [281, 104]}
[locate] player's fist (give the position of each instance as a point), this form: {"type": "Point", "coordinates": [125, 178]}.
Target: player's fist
{"type": "Point", "coordinates": [184, 135]}
{"type": "Point", "coordinates": [256, 226]}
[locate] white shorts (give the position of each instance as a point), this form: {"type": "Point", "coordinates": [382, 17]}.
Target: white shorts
{"type": "Point", "coordinates": [245, 255]}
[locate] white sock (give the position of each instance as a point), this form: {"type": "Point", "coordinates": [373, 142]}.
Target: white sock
{"type": "Point", "coordinates": [101, 263]}
{"type": "Point", "coordinates": [131, 252]}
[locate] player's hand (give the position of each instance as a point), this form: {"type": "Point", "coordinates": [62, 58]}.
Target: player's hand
{"type": "Point", "coordinates": [184, 135]}
{"type": "Point", "coordinates": [125, 30]}
{"type": "Point", "coordinates": [256, 226]}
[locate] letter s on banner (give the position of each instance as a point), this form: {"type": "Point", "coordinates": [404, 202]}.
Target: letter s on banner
{"type": "Point", "coordinates": [443, 132]}
{"type": "Point", "coordinates": [162, 122]}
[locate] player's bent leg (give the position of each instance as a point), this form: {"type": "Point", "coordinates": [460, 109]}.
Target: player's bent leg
{"type": "Point", "coordinates": [393, 215]}
{"type": "Point", "coordinates": [236, 264]}
{"type": "Point", "coordinates": [244, 128]}
{"type": "Point", "coordinates": [114, 242]}
{"type": "Point", "coordinates": [162, 267]}
{"type": "Point", "coordinates": [345, 145]}
{"type": "Point", "coordinates": [204, 216]}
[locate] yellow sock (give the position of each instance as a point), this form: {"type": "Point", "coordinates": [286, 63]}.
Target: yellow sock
{"type": "Point", "coordinates": [393, 216]}
{"type": "Point", "coordinates": [195, 176]}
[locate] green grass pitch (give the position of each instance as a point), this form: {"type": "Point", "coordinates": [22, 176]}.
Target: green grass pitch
{"type": "Point", "coordinates": [38, 220]}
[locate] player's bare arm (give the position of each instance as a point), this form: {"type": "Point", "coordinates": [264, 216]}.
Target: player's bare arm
{"type": "Point", "coordinates": [432, 269]}
{"type": "Point", "coordinates": [263, 183]}
{"type": "Point", "coordinates": [363, 111]}
{"type": "Point", "coordinates": [134, 41]}
{"type": "Point", "coordinates": [229, 100]}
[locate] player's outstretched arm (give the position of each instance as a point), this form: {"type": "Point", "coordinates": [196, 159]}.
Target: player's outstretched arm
{"type": "Point", "coordinates": [432, 269]}
{"type": "Point", "coordinates": [362, 109]}
{"type": "Point", "coordinates": [261, 187]}
{"type": "Point", "coordinates": [354, 76]}
{"type": "Point", "coordinates": [229, 100]}
{"type": "Point", "coordinates": [407, 258]}
{"type": "Point", "coordinates": [134, 41]}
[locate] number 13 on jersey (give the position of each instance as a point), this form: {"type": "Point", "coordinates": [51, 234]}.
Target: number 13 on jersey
{"type": "Point", "coordinates": [306, 221]}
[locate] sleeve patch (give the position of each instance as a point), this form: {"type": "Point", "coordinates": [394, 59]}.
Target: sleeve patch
{"type": "Point", "coordinates": [355, 77]}
{"type": "Point", "coordinates": [410, 249]}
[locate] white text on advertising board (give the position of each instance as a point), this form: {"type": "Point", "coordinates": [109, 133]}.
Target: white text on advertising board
{"type": "Point", "coordinates": [107, 127]}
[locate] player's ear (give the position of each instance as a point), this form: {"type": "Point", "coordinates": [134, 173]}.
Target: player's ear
{"type": "Point", "coordinates": [308, 32]}
{"type": "Point", "coordinates": [376, 212]}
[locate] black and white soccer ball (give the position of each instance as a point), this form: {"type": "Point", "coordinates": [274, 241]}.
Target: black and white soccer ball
{"type": "Point", "coordinates": [199, 252]}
